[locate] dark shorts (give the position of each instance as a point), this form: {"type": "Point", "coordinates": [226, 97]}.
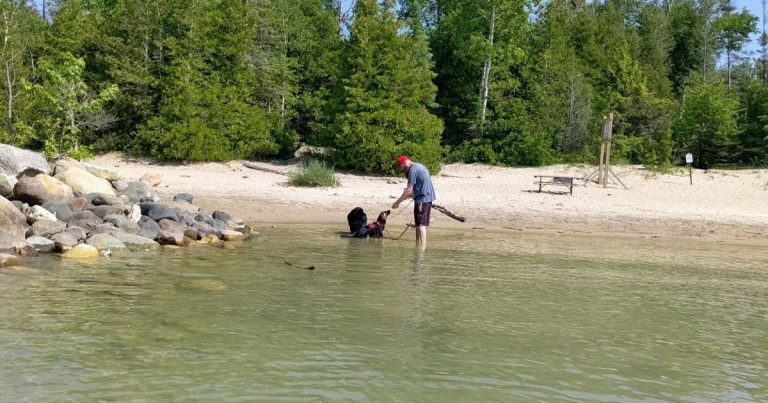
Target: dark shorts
{"type": "Point", "coordinates": [421, 214]}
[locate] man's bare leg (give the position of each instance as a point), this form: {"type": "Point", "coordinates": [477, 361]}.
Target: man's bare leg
{"type": "Point", "coordinates": [421, 237]}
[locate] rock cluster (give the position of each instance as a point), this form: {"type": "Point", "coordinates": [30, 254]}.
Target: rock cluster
{"type": "Point", "coordinates": [81, 210]}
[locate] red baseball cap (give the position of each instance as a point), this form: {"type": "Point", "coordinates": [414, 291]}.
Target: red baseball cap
{"type": "Point", "coordinates": [402, 159]}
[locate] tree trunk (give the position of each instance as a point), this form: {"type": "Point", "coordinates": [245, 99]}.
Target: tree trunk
{"type": "Point", "coordinates": [728, 51]}
{"type": "Point", "coordinates": [486, 75]}
{"type": "Point", "coordinates": [7, 60]}
{"type": "Point", "coordinates": [9, 103]}
{"type": "Point", "coordinates": [764, 43]}
{"type": "Point", "coordinates": [728, 57]}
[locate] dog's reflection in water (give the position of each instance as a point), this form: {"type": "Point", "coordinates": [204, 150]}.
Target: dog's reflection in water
{"type": "Point", "coordinates": [359, 227]}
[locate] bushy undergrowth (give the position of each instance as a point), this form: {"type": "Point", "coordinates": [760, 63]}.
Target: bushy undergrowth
{"type": "Point", "coordinates": [313, 174]}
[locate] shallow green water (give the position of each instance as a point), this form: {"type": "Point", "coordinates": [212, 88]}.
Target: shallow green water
{"type": "Point", "coordinates": [480, 316]}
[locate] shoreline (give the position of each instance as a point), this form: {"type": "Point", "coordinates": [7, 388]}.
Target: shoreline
{"type": "Point", "coordinates": [720, 206]}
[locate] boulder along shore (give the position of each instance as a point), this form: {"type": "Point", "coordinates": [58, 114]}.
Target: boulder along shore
{"type": "Point", "coordinates": [84, 210]}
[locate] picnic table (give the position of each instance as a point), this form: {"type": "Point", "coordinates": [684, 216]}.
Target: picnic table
{"type": "Point", "coordinates": [551, 180]}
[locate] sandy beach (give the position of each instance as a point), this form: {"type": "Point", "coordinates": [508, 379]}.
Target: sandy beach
{"type": "Point", "coordinates": [720, 205]}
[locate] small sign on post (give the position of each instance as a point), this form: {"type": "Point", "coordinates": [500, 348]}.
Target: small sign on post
{"type": "Point", "coordinates": [689, 161]}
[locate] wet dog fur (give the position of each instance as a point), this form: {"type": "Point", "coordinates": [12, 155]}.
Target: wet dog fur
{"type": "Point", "coordinates": [359, 227]}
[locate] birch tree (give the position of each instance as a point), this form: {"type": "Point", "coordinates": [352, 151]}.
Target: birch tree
{"type": "Point", "coordinates": [18, 27]}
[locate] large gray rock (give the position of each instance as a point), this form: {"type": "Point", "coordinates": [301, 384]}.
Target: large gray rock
{"type": "Point", "coordinates": [7, 182]}
{"type": "Point", "coordinates": [137, 243]}
{"type": "Point", "coordinates": [184, 207]}
{"type": "Point", "coordinates": [37, 213]}
{"type": "Point", "coordinates": [171, 225]}
{"type": "Point", "coordinates": [46, 228]}
{"type": "Point", "coordinates": [157, 211]}
{"type": "Point", "coordinates": [14, 161]}
{"type": "Point", "coordinates": [101, 199]}
{"type": "Point", "coordinates": [106, 228]}
{"type": "Point", "coordinates": [192, 233]}
{"type": "Point", "coordinates": [41, 244]}
{"type": "Point", "coordinates": [77, 232]}
{"type": "Point", "coordinates": [65, 163]}
{"type": "Point", "coordinates": [103, 211]}
{"type": "Point", "coordinates": [61, 164]}
{"type": "Point", "coordinates": [61, 207]}
{"type": "Point", "coordinates": [204, 229]}
{"type": "Point", "coordinates": [183, 196]}
{"type": "Point", "coordinates": [135, 213]}
{"type": "Point", "coordinates": [222, 216]}
{"type": "Point", "coordinates": [12, 220]}
{"type": "Point", "coordinates": [170, 237]}
{"type": "Point", "coordinates": [64, 241]}
{"type": "Point", "coordinates": [102, 172]}
{"type": "Point", "coordinates": [86, 220]}
{"type": "Point", "coordinates": [139, 191]}
{"type": "Point", "coordinates": [148, 227]}
{"type": "Point", "coordinates": [9, 243]}
{"type": "Point", "coordinates": [39, 188]}
{"type": "Point", "coordinates": [105, 242]}
{"type": "Point", "coordinates": [122, 222]}
{"type": "Point", "coordinates": [84, 182]}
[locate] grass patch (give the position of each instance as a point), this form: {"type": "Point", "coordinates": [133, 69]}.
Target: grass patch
{"type": "Point", "coordinates": [313, 174]}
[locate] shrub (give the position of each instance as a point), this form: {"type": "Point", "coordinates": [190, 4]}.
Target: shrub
{"type": "Point", "coordinates": [313, 174]}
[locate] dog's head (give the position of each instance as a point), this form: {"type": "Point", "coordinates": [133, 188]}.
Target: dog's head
{"type": "Point", "coordinates": [382, 218]}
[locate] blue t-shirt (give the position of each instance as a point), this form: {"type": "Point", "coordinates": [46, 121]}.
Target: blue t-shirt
{"type": "Point", "coordinates": [418, 176]}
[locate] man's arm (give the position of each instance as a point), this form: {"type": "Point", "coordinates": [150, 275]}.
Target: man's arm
{"type": "Point", "coordinates": [406, 194]}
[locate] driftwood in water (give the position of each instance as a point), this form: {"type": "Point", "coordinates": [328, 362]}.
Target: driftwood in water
{"type": "Point", "coordinates": [449, 213]}
{"type": "Point", "coordinates": [259, 167]}
{"type": "Point", "coordinates": [300, 267]}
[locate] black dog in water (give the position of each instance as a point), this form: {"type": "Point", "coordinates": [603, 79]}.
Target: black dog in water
{"type": "Point", "coordinates": [359, 227]}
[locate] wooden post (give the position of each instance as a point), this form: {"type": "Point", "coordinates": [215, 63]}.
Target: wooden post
{"type": "Point", "coordinates": [602, 161]}
{"type": "Point", "coordinates": [607, 135]}
{"type": "Point", "coordinates": [607, 164]}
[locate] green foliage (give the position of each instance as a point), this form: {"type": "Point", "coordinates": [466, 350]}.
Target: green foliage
{"type": "Point", "coordinates": [753, 139]}
{"type": "Point", "coordinates": [707, 126]}
{"type": "Point", "coordinates": [386, 97]}
{"type": "Point", "coordinates": [313, 174]}
{"type": "Point", "coordinates": [735, 28]}
{"type": "Point", "coordinates": [81, 152]}
{"type": "Point", "coordinates": [21, 36]}
{"type": "Point", "coordinates": [69, 105]}
{"type": "Point", "coordinates": [218, 79]}
{"type": "Point", "coordinates": [207, 113]}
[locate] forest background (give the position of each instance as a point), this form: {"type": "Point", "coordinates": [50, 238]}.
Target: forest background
{"type": "Point", "coordinates": [504, 82]}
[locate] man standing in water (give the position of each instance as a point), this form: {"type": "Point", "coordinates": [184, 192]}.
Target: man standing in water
{"type": "Point", "coordinates": [420, 188]}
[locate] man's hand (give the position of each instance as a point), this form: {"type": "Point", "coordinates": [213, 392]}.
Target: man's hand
{"type": "Point", "coordinates": [395, 205]}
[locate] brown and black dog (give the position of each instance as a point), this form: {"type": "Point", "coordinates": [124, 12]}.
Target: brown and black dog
{"type": "Point", "coordinates": [359, 227]}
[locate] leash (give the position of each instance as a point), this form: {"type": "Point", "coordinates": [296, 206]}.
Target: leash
{"type": "Point", "coordinates": [401, 234]}
{"type": "Point", "coordinates": [406, 225]}
{"type": "Point", "coordinates": [402, 209]}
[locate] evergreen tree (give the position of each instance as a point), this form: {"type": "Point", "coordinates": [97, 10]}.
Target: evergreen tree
{"type": "Point", "coordinates": [134, 56]}
{"type": "Point", "coordinates": [753, 140]}
{"type": "Point", "coordinates": [707, 125]}
{"type": "Point", "coordinates": [295, 55]}
{"type": "Point", "coordinates": [207, 111]}
{"type": "Point", "coordinates": [480, 50]}
{"type": "Point", "coordinates": [561, 94]}
{"type": "Point", "coordinates": [685, 55]}
{"type": "Point", "coordinates": [386, 96]}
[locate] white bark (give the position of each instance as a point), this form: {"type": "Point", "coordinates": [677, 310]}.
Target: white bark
{"type": "Point", "coordinates": [484, 84]}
